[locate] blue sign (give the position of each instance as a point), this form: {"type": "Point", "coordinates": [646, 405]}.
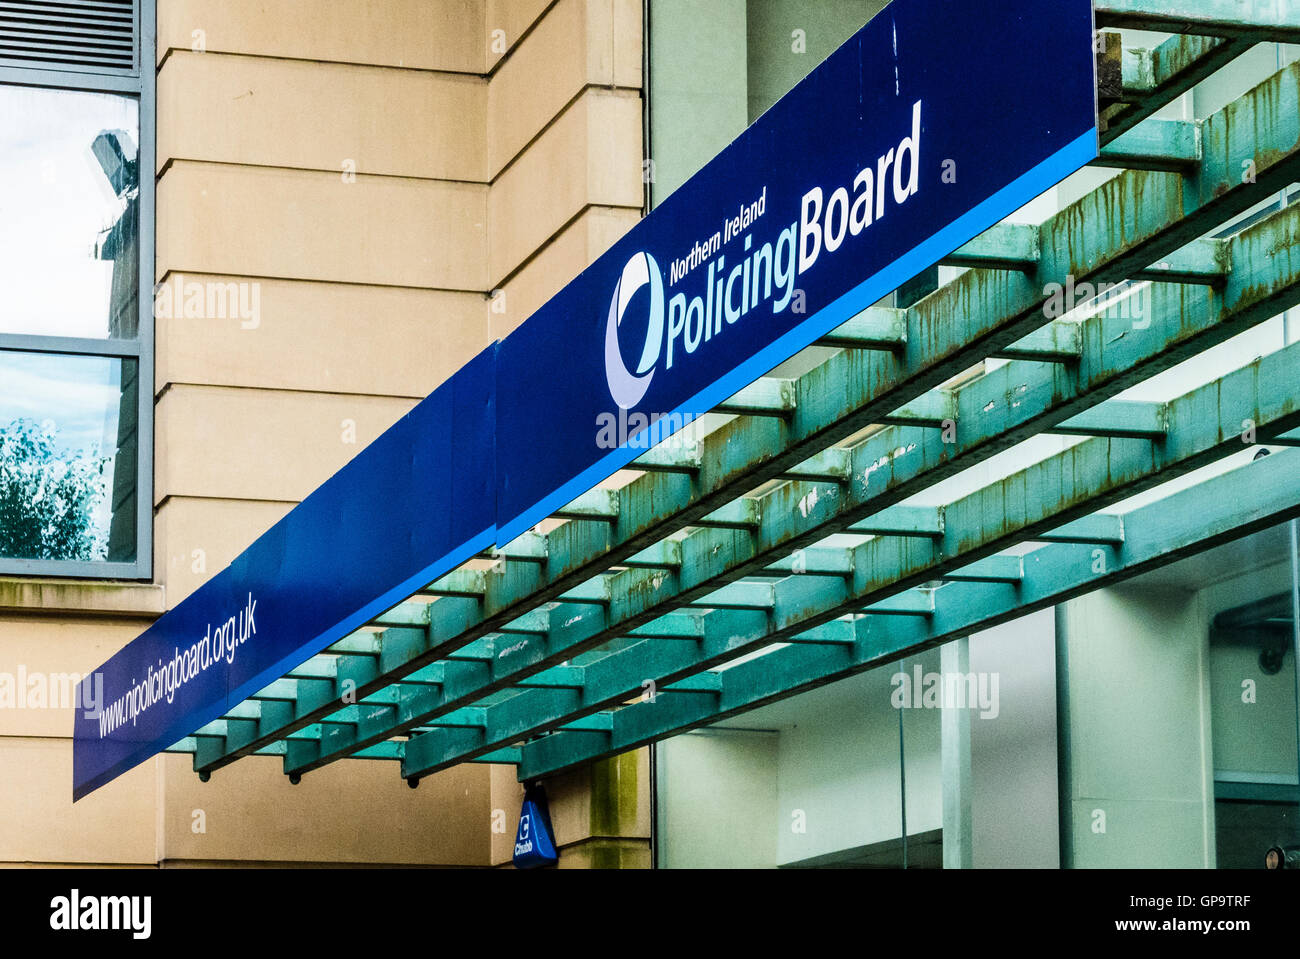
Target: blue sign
{"type": "Point", "coordinates": [534, 840]}
{"type": "Point", "coordinates": [413, 505]}
{"type": "Point", "coordinates": [931, 124]}
{"type": "Point", "coordinates": [935, 121]}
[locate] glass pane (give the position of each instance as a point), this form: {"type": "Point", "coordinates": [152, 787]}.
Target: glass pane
{"type": "Point", "coordinates": [1253, 702]}
{"type": "Point", "coordinates": [68, 452]}
{"type": "Point", "coordinates": [69, 196]}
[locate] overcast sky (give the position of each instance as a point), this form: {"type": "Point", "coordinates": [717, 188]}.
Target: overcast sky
{"type": "Point", "coordinates": [55, 201]}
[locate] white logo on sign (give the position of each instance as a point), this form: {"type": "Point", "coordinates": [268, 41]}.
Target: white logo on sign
{"type": "Point", "coordinates": [524, 842]}
{"type": "Point", "coordinates": [625, 387]}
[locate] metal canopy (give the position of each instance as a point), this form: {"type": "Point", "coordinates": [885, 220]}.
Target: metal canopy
{"type": "Point", "coordinates": [799, 541]}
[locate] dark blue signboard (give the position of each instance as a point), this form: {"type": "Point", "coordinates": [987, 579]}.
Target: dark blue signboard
{"type": "Point", "coordinates": [935, 121]}
{"type": "Point", "coordinates": [411, 506]}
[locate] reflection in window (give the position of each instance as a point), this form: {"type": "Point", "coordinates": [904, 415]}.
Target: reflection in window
{"type": "Point", "coordinates": [69, 194]}
{"type": "Point", "coordinates": [68, 452]}
{"type": "Point", "coordinates": [1253, 699]}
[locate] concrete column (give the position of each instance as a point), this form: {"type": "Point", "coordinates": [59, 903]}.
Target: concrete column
{"type": "Point", "coordinates": [954, 658]}
{"type": "Point", "coordinates": [1136, 777]}
{"type": "Point", "coordinates": [697, 86]}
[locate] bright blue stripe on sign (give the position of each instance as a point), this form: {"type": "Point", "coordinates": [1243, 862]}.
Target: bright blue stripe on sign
{"type": "Point", "coordinates": [961, 231]}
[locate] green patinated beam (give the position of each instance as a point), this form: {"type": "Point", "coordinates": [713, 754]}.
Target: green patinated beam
{"type": "Point", "coordinates": [676, 456]}
{"type": "Point", "coordinates": [1276, 20]}
{"type": "Point", "coordinates": [1006, 246]}
{"type": "Point", "coordinates": [1118, 418]}
{"type": "Point", "coordinates": [1154, 78]}
{"type": "Point", "coordinates": [991, 569]}
{"type": "Point", "coordinates": [1228, 507]}
{"type": "Point", "coordinates": [874, 388]}
{"type": "Point", "coordinates": [1053, 343]}
{"type": "Point", "coordinates": [1172, 146]}
{"type": "Point", "coordinates": [1205, 261]}
{"type": "Point", "coordinates": [992, 518]}
{"type": "Point", "coordinates": [875, 328]}
{"type": "Point", "coordinates": [767, 396]}
{"type": "Point", "coordinates": [596, 504]}
{"type": "Point", "coordinates": [1178, 302]}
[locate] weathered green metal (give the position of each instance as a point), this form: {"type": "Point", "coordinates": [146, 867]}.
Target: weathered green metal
{"type": "Point", "coordinates": [875, 328]}
{"type": "Point", "coordinates": [1170, 309]}
{"type": "Point", "coordinates": [1244, 501]}
{"type": "Point", "coordinates": [1205, 261]}
{"type": "Point", "coordinates": [764, 397]}
{"type": "Point", "coordinates": [1031, 504]}
{"type": "Point", "coordinates": [1153, 78]}
{"type": "Point", "coordinates": [1208, 35]}
{"type": "Point", "coordinates": [549, 598]}
{"type": "Point", "coordinates": [1172, 146]}
{"type": "Point", "coordinates": [1256, 20]}
{"type": "Point", "coordinates": [1053, 343]}
{"type": "Point", "coordinates": [1005, 246]}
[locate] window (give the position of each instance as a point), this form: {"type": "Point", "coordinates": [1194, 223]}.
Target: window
{"type": "Point", "coordinates": [76, 250]}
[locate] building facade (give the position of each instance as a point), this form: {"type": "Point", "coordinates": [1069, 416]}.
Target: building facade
{"type": "Point", "coordinates": [293, 221]}
{"type": "Point", "coordinates": [347, 204]}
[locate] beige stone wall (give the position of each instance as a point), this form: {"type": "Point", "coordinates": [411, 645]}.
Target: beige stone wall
{"type": "Point", "coordinates": [400, 184]}
{"type": "Point", "coordinates": [39, 825]}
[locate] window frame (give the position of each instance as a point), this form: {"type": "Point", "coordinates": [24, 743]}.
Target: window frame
{"type": "Point", "coordinates": [139, 83]}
